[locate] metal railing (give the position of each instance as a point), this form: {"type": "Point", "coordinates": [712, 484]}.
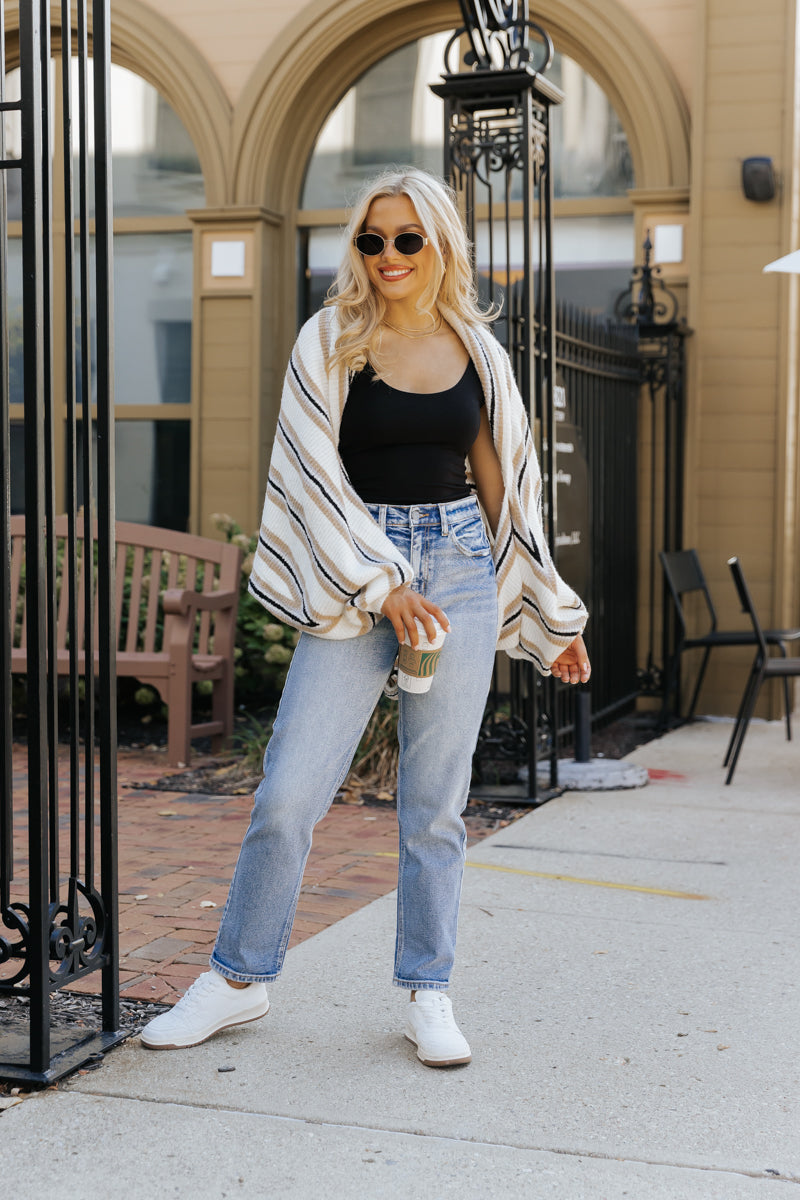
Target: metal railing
{"type": "Point", "coordinates": [600, 371]}
{"type": "Point", "coordinates": [58, 886]}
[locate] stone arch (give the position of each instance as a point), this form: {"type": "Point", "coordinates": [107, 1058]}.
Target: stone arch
{"type": "Point", "coordinates": [150, 46]}
{"type": "Point", "coordinates": [301, 78]}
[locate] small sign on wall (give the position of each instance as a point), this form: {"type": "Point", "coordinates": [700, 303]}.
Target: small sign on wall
{"type": "Point", "coordinates": [668, 244]}
{"type": "Point", "coordinates": [228, 260]}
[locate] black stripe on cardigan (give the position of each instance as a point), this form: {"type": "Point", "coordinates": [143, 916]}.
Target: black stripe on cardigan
{"type": "Point", "coordinates": [559, 633]}
{"type": "Point", "coordinates": [299, 520]}
{"type": "Point", "coordinates": [270, 550]}
{"type": "Point", "coordinates": [294, 619]}
{"type": "Point", "coordinates": [306, 392]}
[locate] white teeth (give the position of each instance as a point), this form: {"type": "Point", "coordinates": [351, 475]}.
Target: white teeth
{"type": "Point", "coordinates": [393, 274]}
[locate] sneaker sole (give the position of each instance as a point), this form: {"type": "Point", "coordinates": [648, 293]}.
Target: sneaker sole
{"type": "Point", "coordinates": [205, 1037]}
{"type": "Point", "coordinates": [438, 1062]}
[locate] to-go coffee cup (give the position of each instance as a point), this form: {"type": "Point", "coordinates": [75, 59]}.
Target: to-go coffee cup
{"type": "Point", "coordinates": [416, 668]}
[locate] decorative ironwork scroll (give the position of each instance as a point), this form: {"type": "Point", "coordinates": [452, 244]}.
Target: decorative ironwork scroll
{"type": "Point", "coordinates": [652, 308]}
{"type": "Point", "coordinates": [499, 33]}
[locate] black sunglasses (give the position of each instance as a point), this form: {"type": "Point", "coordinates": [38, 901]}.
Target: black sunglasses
{"type": "Point", "coordinates": [371, 244]}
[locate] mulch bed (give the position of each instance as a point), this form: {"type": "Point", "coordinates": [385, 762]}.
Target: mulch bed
{"type": "Point", "coordinates": [70, 1010]}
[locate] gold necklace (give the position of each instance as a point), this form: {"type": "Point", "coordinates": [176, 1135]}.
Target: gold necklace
{"type": "Point", "coordinates": [415, 333]}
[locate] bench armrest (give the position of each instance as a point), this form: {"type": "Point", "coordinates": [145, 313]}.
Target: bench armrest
{"type": "Point", "coordinates": [181, 601]}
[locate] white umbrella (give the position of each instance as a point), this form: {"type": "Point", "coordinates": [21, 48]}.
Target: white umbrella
{"type": "Point", "coordinates": [789, 264]}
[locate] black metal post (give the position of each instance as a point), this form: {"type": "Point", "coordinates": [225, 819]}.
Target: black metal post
{"type": "Point", "coordinates": [36, 570]}
{"type": "Point", "coordinates": [105, 509]}
{"type": "Point", "coordinates": [652, 309]}
{"type": "Point", "coordinates": [6, 806]}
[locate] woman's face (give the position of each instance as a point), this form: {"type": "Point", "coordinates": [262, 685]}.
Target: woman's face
{"type": "Point", "coordinates": [400, 278]}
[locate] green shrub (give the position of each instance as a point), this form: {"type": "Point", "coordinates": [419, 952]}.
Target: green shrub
{"type": "Point", "coordinates": [264, 645]}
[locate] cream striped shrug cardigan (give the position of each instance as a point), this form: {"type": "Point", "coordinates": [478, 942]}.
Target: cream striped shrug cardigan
{"type": "Point", "coordinates": [323, 564]}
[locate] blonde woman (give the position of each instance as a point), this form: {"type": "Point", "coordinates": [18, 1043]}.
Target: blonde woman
{"type": "Point", "coordinates": [399, 415]}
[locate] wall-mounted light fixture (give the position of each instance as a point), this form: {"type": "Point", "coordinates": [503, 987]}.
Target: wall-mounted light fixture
{"type": "Point", "coordinates": [758, 179]}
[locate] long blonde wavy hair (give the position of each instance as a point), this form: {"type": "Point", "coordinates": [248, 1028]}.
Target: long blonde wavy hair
{"type": "Point", "coordinates": [361, 309]}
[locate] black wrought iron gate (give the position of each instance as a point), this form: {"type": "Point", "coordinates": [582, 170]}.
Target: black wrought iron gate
{"type": "Point", "coordinates": [573, 370]}
{"type": "Point", "coordinates": [58, 884]}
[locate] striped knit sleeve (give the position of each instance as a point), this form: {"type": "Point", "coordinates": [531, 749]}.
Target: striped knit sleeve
{"type": "Point", "coordinates": [540, 615]}
{"type": "Point", "coordinates": [322, 563]}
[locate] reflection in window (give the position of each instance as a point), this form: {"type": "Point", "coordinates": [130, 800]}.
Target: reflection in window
{"type": "Point", "coordinates": [153, 318]}
{"type": "Point", "coordinates": [155, 167]}
{"type": "Point", "coordinates": [390, 116]}
{"type": "Point", "coordinates": [13, 302]}
{"type": "Point", "coordinates": [151, 472]}
{"type": "Point", "coordinates": [17, 460]}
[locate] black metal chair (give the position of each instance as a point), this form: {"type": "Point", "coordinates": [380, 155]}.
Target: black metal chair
{"type": "Point", "coordinates": [684, 574]}
{"type": "Point", "coordinates": [764, 667]}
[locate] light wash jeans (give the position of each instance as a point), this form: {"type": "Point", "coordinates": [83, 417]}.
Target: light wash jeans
{"type": "Point", "coordinates": [329, 695]}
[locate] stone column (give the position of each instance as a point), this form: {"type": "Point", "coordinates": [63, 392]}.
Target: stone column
{"type": "Point", "coordinates": [233, 361]}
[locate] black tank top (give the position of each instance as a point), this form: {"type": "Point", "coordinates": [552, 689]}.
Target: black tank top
{"type": "Point", "coordinates": [406, 447]}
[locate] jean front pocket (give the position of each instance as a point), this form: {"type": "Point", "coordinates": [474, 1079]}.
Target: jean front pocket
{"type": "Point", "coordinates": [471, 538]}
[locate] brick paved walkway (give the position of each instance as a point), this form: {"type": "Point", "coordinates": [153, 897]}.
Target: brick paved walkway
{"type": "Point", "coordinates": [177, 853]}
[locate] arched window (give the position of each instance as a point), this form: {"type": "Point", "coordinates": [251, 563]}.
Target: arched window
{"type": "Point", "coordinates": [156, 177]}
{"type": "Point", "coordinates": [390, 117]}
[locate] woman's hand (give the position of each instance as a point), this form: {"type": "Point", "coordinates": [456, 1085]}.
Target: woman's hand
{"type": "Point", "coordinates": [572, 665]}
{"type": "Point", "coordinates": [403, 605]}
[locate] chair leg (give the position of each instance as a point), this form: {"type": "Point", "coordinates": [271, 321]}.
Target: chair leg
{"type": "Point", "coordinates": [787, 698]}
{"type": "Point", "coordinates": [222, 710]}
{"type": "Point", "coordinates": [179, 733]}
{"type": "Point", "coordinates": [738, 721]}
{"type": "Point", "coordinates": [745, 721]}
{"type": "Point", "coordinates": [671, 683]}
{"type": "Point", "coordinates": [698, 685]}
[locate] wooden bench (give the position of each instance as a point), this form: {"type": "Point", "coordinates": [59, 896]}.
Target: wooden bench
{"type": "Point", "coordinates": [176, 599]}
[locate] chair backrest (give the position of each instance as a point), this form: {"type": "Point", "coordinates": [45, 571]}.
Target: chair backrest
{"type": "Point", "coordinates": [684, 574]}
{"type": "Point", "coordinates": [746, 601]}
{"type": "Point", "coordinates": [149, 561]}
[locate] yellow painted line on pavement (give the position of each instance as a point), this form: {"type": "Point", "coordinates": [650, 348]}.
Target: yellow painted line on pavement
{"type": "Point", "coordinates": [603, 883]}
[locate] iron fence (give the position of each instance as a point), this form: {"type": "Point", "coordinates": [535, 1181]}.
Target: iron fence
{"type": "Point", "coordinates": [58, 884]}
{"type": "Point", "coordinates": [600, 378]}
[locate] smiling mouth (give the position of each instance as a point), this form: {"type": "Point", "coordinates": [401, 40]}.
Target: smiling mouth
{"type": "Point", "coordinates": [396, 273]}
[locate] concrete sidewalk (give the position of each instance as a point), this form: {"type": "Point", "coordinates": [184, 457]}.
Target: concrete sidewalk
{"type": "Point", "coordinates": [627, 977]}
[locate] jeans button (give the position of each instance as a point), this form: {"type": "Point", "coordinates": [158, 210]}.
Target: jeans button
{"type": "Point", "coordinates": [414, 514]}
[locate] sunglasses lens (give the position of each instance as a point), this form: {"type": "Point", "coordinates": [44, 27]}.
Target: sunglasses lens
{"type": "Point", "coordinates": [369, 244]}
{"type": "Point", "coordinates": [409, 243]}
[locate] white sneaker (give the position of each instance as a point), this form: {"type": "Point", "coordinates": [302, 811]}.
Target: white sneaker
{"type": "Point", "coordinates": [431, 1026]}
{"type": "Point", "coordinates": [209, 1005]}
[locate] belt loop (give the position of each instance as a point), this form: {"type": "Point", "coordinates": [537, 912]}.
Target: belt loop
{"type": "Point", "coordinates": [443, 519]}
{"type": "Point", "coordinates": [382, 518]}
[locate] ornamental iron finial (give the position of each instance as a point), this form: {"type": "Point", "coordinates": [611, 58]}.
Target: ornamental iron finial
{"type": "Point", "coordinates": [499, 32]}
{"type": "Point", "coordinates": [654, 304]}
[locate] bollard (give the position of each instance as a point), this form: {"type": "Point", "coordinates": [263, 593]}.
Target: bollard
{"type": "Point", "coordinates": [583, 725]}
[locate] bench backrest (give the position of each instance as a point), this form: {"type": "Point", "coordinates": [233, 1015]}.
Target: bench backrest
{"type": "Point", "coordinates": [149, 561]}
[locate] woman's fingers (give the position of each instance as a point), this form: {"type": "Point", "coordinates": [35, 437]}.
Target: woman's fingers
{"type": "Point", "coordinates": [404, 607]}
{"type": "Point", "coordinates": [572, 665]}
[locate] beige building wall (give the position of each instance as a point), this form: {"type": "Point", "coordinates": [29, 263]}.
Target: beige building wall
{"type": "Point", "coordinates": [699, 84]}
{"type": "Point", "coordinates": [742, 462]}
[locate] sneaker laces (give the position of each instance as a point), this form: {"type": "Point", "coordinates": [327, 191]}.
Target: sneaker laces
{"type": "Point", "coordinates": [196, 993]}
{"type": "Point", "coordinates": [440, 1009]}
